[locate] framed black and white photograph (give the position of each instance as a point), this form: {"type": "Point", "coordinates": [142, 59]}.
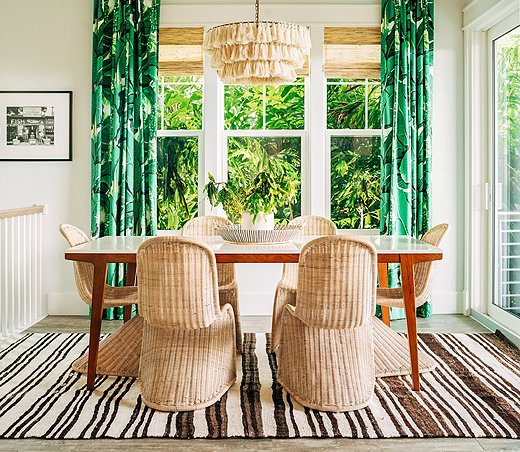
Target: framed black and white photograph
{"type": "Point", "coordinates": [35, 125]}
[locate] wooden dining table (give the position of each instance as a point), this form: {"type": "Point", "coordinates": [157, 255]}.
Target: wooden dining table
{"type": "Point", "coordinates": [403, 250]}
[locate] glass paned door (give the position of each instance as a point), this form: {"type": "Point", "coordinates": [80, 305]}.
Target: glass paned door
{"type": "Point", "coordinates": [505, 47]}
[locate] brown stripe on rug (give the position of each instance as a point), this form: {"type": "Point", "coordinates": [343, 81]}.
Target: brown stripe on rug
{"type": "Point", "coordinates": [216, 417]}
{"type": "Point", "coordinates": [184, 425]}
{"type": "Point", "coordinates": [250, 390]}
{"type": "Point", "coordinates": [282, 429]}
{"type": "Point", "coordinates": [473, 392]}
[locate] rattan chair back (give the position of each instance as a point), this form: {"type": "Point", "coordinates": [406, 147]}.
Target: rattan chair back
{"type": "Point", "coordinates": [311, 225]}
{"type": "Point", "coordinates": [83, 271]}
{"type": "Point", "coordinates": [336, 283]}
{"type": "Point", "coordinates": [423, 271]}
{"type": "Point", "coordinates": [315, 225]}
{"type": "Point", "coordinates": [177, 283]}
{"type": "Point", "coordinates": [208, 226]}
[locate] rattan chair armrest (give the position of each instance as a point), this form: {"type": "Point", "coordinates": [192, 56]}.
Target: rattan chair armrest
{"type": "Point", "coordinates": [291, 310]}
{"type": "Point", "coordinates": [225, 309]}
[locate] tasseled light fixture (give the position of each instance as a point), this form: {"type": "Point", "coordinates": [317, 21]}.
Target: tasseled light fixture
{"type": "Point", "coordinates": [259, 52]}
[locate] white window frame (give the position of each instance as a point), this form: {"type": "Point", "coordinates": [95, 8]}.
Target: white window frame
{"type": "Point", "coordinates": [493, 310]}
{"type": "Point", "coordinates": [329, 133]}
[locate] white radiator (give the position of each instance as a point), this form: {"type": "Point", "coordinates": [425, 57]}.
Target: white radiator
{"type": "Point", "coordinates": [21, 285]}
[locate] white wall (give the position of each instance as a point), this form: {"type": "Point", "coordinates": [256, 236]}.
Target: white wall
{"type": "Point", "coordinates": [46, 45]}
{"type": "Point", "coordinates": [60, 33]}
{"type": "Point", "coordinates": [448, 153]}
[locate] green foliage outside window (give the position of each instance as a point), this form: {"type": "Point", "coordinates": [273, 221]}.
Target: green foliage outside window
{"type": "Point", "coordinates": [249, 157]}
{"type": "Point", "coordinates": [177, 179]}
{"type": "Point", "coordinates": [355, 183]}
{"type": "Point", "coordinates": [264, 107]}
{"type": "Point", "coordinates": [347, 105]}
{"type": "Point", "coordinates": [180, 100]}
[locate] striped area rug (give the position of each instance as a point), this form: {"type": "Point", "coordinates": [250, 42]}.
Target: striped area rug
{"type": "Point", "coordinates": [474, 392]}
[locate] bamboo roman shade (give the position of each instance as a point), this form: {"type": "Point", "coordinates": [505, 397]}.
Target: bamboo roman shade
{"type": "Point", "coordinates": [304, 71]}
{"type": "Point", "coordinates": [180, 51]}
{"type": "Point", "coordinates": [352, 52]}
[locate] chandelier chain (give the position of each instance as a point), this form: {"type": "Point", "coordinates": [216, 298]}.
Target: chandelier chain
{"type": "Point", "coordinates": [257, 7]}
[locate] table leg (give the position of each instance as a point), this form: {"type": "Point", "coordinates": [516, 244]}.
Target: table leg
{"type": "Point", "coordinates": [408, 285]}
{"type": "Point", "coordinates": [98, 295]}
{"type": "Point", "coordinates": [382, 270]}
{"type": "Point", "coordinates": [130, 281]}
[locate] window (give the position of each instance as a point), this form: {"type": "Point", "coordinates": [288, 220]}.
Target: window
{"type": "Point", "coordinates": [178, 148]}
{"type": "Point", "coordinates": [264, 128]}
{"type": "Point", "coordinates": [353, 123]}
{"type": "Point", "coordinates": [351, 65]}
{"type": "Point", "coordinates": [179, 125]}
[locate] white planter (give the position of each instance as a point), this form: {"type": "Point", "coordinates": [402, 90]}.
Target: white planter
{"type": "Point", "coordinates": [263, 222]}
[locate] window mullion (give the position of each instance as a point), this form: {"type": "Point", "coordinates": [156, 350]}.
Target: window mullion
{"type": "Point", "coordinates": [162, 103]}
{"type": "Point", "coordinates": [316, 200]}
{"type": "Point", "coordinates": [366, 103]}
{"type": "Point", "coordinates": [212, 159]}
{"type": "Point", "coordinates": [265, 133]}
{"type": "Point", "coordinates": [264, 106]}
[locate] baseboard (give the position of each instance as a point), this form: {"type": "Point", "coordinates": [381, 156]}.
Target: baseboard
{"type": "Point", "coordinates": [251, 303]}
{"type": "Point", "coordinates": [65, 304]}
{"type": "Point", "coordinates": [256, 303]}
{"type": "Point", "coordinates": [493, 325]}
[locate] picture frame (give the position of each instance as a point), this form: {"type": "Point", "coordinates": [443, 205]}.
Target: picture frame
{"type": "Point", "coordinates": [35, 125]}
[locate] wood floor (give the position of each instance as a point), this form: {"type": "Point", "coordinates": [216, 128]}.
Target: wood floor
{"type": "Point", "coordinates": [259, 324]}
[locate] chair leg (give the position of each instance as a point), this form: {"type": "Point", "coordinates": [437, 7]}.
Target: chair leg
{"type": "Point", "coordinates": [130, 281]}
{"type": "Point", "coordinates": [127, 313]}
{"type": "Point", "coordinates": [385, 313]}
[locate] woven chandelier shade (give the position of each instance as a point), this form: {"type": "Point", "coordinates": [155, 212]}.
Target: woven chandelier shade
{"type": "Point", "coordinates": [259, 52]}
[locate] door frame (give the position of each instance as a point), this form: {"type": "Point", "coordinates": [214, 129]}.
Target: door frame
{"type": "Point", "coordinates": [500, 315]}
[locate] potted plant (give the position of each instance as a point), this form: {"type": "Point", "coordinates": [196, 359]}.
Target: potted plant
{"type": "Point", "coordinates": [252, 201]}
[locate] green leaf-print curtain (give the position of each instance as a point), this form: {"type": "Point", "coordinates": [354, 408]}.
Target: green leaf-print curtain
{"type": "Point", "coordinates": [124, 118]}
{"type": "Point", "coordinates": [406, 103]}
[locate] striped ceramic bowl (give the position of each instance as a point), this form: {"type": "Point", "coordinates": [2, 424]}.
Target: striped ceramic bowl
{"type": "Point", "coordinates": [280, 234]}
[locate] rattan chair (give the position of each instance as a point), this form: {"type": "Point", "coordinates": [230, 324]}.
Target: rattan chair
{"type": "Point", "coordinates": [326, 351]}
{"type": "Point", "coordinates": [227, 284]}
{"type": "Point", "coordinates": [423, 275]}
{"type": "Point", "coordinates": [84, 276]}
{"type": "Point", "coordinates": [188, 350]}
{"type": "Point", "coordinates": [286, 288]}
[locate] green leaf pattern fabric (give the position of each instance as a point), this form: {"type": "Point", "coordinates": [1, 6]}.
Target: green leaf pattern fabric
{"type": "Point", "coordinates": [406, 104]}
{"type": "Point", "coordinates": [124, 122]}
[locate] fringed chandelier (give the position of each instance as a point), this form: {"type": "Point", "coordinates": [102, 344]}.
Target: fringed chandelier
{"type": "Point", "coordinates": [259, 52]}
